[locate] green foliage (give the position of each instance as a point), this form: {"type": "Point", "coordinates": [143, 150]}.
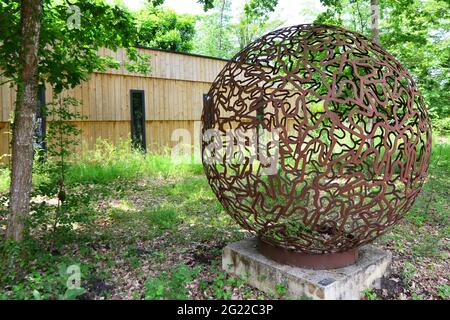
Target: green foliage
{"type": "Point", "coordinates": [219, 36]}
{"type": "Point", "coordinates": [164, 29]}
{"type": "Point", "coordinates": [164, 218]}
{"type": "Point", "coordinates": [170, 285]}
{"type": "Point", "coordinates": [354, 14]}
{"type": "Point", "coordinates": [434, 206]}
{"type": "Point", "coordinates": [221, 285]}
{"type": "Point", "coordinates": [370, 294]}
{"type": "Point", "coordinates": [442, 126]}
{"type": "Point", "coordinates": [428, 247]}
{"type": "Point", "coordinates": [68, 54]}
{"type": "Point", "coordinates": [281, 289]}
{"type": "Point", "coordinates": [20, 277]}
{"type": "Point", "coordinates": [218, 286]}
{"type": "Point", "coordinates": [408, 272]}
{"type": "Point", "coordinates": [62, 133]}
{"type": "Point", "coordinates": [152, 219]}
{"type": "Point", "coordinates": [214, 34]}
{"type": "Point", "coordinates": [259, 8]}
{"type": "Point", "coordinates": [444, 291]}
{"type": "Point", "coordinates": [415, 32]}
{"type": "Point", "coordinates": [251, 26]}
{"type": "Point", "coordinates": [107, 162]}
{"type": "Point", "coordinates": [69, 42]}
{"type": "Point", "coordinates": [415, 296]}
{"type": "Point", "coordinates": [207, 4]}
{"type": "Point", "coordinates": [71, 293]}
{"type": "Point", "coordinates": [62, 136]}
{"type": "Point", "coordinates": [4, 179]}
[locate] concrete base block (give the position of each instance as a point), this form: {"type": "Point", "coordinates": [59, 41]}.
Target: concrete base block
{"type": "Point", "coordinates": [242, 259]}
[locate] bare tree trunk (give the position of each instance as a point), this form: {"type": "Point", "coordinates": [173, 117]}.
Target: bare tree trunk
{"type": "Point", "coordinates": [375, 13]}
{"type": "Point", "coordinates": [362, 22]}
{"type": "Point", "coordinates": [26, 104]}
{"type": "Point", "coordinates": [222, 9]}
{"type": "Point", "coordinates": [374, 19]}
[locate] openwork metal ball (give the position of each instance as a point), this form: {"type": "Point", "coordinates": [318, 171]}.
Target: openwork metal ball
{"type": "Point", "coordinates": [317, 140]}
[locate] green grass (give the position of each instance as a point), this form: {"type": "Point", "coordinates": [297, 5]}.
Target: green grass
{"type": "Point", "coordinates": [4, 179]}
{"type": "Point", "coordinates": [369, 294]}
{"type": "Point", "coordinates": [109, 162]}
{"type": "Point", "coordinates": [150, 216]}
{"type": "Point", "coordinates": [161, 218]}
{"type": "Point", "coordinates": [170, 285]}
{"type": "Point", "coordinates": [444, 291]}
{"type": "Point", "coordinates": [434, 206]}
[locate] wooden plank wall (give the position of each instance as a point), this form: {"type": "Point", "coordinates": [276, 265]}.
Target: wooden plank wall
{"type": "Point", "coordinates": [173, 99]}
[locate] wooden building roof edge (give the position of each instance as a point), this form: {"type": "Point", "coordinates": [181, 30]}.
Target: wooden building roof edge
{"type": "Point", "coordinates": [183, 53]}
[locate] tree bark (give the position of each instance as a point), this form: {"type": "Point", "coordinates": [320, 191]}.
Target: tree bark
{"type": "Point", "coordinates": [222, 9]}
{"type": "Point", "coordinates": [375, 17]}
{"type": "Point", "coordinates": [374, 25]}
{"type": "Point", "coordinates": [23, 125]}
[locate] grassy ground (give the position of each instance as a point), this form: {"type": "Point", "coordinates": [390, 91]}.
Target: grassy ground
{"type": "Point", "coordinates": [143, 228]}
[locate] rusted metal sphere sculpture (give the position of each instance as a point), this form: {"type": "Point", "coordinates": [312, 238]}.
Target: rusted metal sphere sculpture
{"type": "Point", "coordinates": [317, 140]}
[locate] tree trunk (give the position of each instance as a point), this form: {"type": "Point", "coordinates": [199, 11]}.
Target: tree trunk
{"type": "Point", "coordinates": [23, 125]}
{"type": "Point", "coordinates": [375, 14]}
{"type": "Point", "coordinates": [374, 24]}
{"type": "Point", "coordinates": [222, 9]}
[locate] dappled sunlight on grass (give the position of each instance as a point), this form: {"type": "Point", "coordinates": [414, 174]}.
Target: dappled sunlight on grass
{"type": "Point", "coordinates": [123, 205]}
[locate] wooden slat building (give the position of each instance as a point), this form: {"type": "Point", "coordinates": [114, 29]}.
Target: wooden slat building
{"type": "Point", "coordinates": [172, 97]}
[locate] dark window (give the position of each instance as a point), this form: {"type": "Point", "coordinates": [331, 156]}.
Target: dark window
{"type": "Point", "coordinates": [208, 113]}
{"type": "Point", "coordinates": [40, 121]}
{"type": "Point", "coordinates": [138, 119]}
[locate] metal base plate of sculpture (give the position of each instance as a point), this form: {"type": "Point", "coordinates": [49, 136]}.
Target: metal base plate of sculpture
{"type": "Point", "coordinates": [317, 140]}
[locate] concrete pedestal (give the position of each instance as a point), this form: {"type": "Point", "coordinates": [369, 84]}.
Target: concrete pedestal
{"type": "Point", "coordinates": [242, 259]}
